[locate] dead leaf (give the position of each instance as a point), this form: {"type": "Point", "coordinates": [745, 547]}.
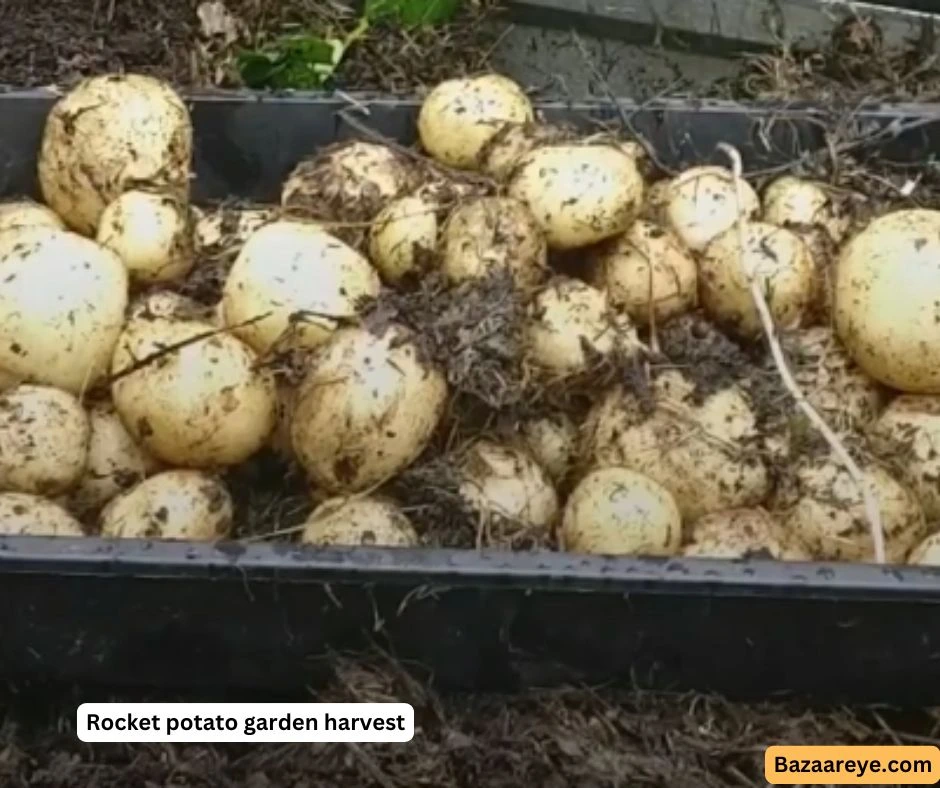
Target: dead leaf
{"type": "Point", "coordinates": [216, 21]}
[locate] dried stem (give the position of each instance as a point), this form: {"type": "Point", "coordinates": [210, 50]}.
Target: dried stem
{"type": "Point", "coordinates": [872, 510]}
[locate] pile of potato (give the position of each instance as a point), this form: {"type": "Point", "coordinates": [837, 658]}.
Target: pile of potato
{"type": "Point", "coordinates": [123, 400]}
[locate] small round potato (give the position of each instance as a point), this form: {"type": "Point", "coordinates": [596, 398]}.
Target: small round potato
{"type": "Point", "coordinates": [646, 266]}
{"type": "Point", "coordinates": [792, 202]}
{"type": "Point", "coordinates": [151, 232]}
{"type": "Point", "coordinates": [403, 238]}
{"type": "Point", "coordinates": [579, 194]}
{"type": "Point", "coordinates": [743, 533]}
{"type": "Point", "coordinates": [44, 436]}
{"type": "Point", "coordinates": [175, 504]}
{"type": "Point", "coordinates": [887, 291]}
{"type": "Point", "coordinates": [781, 264]}
{"type": "Point", "coordinates": [616, 511]}
{"type": "Point", "coordinates": [552, 441]}
{"type": "Point", "coordinates": [927, 553]}
{"type": "Point", "coordinates": [702, 203]}
{"type": "Point", "coordinates": [489, 234]}
{"type": "Point", "coordinates": [359, 522]}
{"type": "Point", "coordinates": [459, 116]}
{"type": "Point", "coordinates": [25, 514]}
{"type": "Point", "coordinates": [15, 214]}
{"type": "Point", "coordinates": [294, 280]}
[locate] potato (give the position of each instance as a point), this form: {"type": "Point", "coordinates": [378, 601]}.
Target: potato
{"type": "Point", "coordinates": [552, 441]}
{"type": "Point", "coordinates": [830, 517]}
{"type": "Point", "coordinates": [646, 266]}
{"type": "Point", "coordinates": [205, 403]}
{"type": "Point", "coordinates": [489, 234]}
{"type": "Point", "coordinates": [403, 238]}
{"type": "Point", "coordinates": [359, 522]}
{"type": "Point", "coordinates": [62, 304]}
{"type": "Point", "coordinates": [175, 504]}
{"type": "Point", "coordinates": [151, 232]}
{"type": "Point", "coordinates": [703, 453]}
{"type": "Point", "coordinates": [740, 534]}
{"type": "Point", "coordinates": [25, 514]}
{"type": "Point", "coordinates": [569, 326]}
{"type": "Point", "coordinates": [616, 511]}
{"type": "Point", "coordinates": [348, 182]}
{"type": "Point", "coordinates": [508, 490]}
{"type": "Point", "coordinates": [701, 204]}
{"type": "Point", "coordinates": [366, 408]}
{"type": "Point", "coordinates": [579, 194]}
{"type": "Point", "coordinates": [887, 290]}
{"type": "Point", "coordinates": [927, 553]}
{"type": "Point", "coordinates": [15, 214]}
{"type": "Point", "coordinates": [44, 434]}
{"type": "Point", "coordinates": [790, 202]}
{"type": "Point", "coordinates": [908, 432]}
{"type": "Point", "coordinates": [503, 151]}
{"type": "Point", "coordinates": [115, 462]}
{"type": "Point", "coordinates": [297, 279]}
{"type": "Point", "coordinates": [459, 116]}
{"type": "Point", "coordinates": [782, 265]}
{"type": "Point", "coordinates": [108, 134]}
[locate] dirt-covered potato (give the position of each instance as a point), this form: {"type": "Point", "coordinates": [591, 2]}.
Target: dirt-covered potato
{"type": "Point", "coordinates": [927, 553]}
{"type": "Point", "coordinates": [44, 434]}
{"type": "Point", "coordinates": [701, 204]}
{"type": "Point", "coordinates": [151, 232]}
{"type": "Point", "coordinates": [116, 462]}
{"type": "Point", "coordinates": [192, 398]}
{"type": "Point", "coordinates": [366, 408]}
{"type": "Point", "coordinates": [782, 265]}
{"type": "Point", "coordinates": [616, 511]}
{"type": "Point", "coordinates": [359, 522]}
{"type": "Point", "coordinates": [552, 440]}
{"type": "Point", "coordinates": [403, 237]}
{"type": "Point", "coordinates": [703, 453]}
{"type": "Point", "coordinates": [792, 202]}
{"type": "Point", "coordinates": [174, 504]}
{"type": "Point", "coordinates": [570, 326]}
{"type": "Point", "coordinates": [488, 234]}
{"type": "Point", "coordinates": [28, 213]}
{"type": "Point", "coordinates": [62, 304]}
{"type": "Point", "coordinates": [645, 267]}
{"type": "Point", "coordinates": [500, 155]}
{"type": "Point", "coordinates": [108, 134]}
{"type": "Point", "coordinates": [508, 490]}
{"type": "Point", "coordinates": [294, 280]}
{"type": "Point", "coordinates": [743, 533]}
{"type": "Point", "coordinates": [579, 194]}
{"type": "Point", "coordinates": [25, 514]}
{"type": "Point", "coordinates": [887, 291]}
{"type": "Point", "coordinates": [908, 434]}
{"type": "Point", "coordinates": [348, 182]}
{"type": "Point", "coordinates": [459, 116]}
{"type": "Point", "coordinates": [829, 513]}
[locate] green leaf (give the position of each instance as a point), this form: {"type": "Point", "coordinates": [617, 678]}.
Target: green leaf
{"type": "Point", "coordinates": [412, 13]}
{"type": "Point", "coordinates": [298, 62]}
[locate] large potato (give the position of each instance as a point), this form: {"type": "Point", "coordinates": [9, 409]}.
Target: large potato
{"type": "Point", "coordinates": [579, 194]}
{"type": "Point", "coordinates": [616, 511]}
{"type": "Point", "coordinates": [62, 304]}
{"type": "Point", "coordinates": [780, 262]}
{"type": "Point", "coordinates": [15, 214]}
{"type": "Point", "coordinates": [176, 504]}
{"type": "Point", "coordinates": [203, 403]}
{"type": "Point", "coordinates": [44, 435]}
{"type": "Point", "coordinates": [459, 116]}
{"type": "Point", "coordinates": [295, 281]}
{"type": "Point", "coordinates": [359, 522]}
{"type": "Point", "coordinates": [743, 533]}
{"type": "Point", "coordinates": [108, 134]}
{"type": "Point", "coordinates": [887, 292]}
{"type": "Point", "coordinates": [485, 235]}
{"type": "Point", "coordinates": [645, 270]}
{"type": "Point", "coordinates": [701, 203]}
{"type": "Point", "coordinates": [366, 408]}
{"type": "Point", "coordinates": [151, 232]}
{"type": "Point", "coordinates": [25, 514]}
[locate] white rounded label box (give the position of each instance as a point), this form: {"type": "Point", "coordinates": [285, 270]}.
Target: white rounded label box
{"type": "Point", "coordinates": [245, 722]}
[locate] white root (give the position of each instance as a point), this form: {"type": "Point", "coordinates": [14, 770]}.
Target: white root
{"type": "Point", "coordinates": [872, 509]}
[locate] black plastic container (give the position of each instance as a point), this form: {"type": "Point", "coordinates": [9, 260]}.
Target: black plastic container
{"type": "Point", "coordinates": [266, 616]}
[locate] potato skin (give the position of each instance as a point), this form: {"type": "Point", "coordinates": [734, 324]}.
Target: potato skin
{"type": "Point", "coordinates": [174, 504]}
{"type": "Point", "coordinates": [740, 534]}
{"type": "Point", "coordinates": [25, 514]}
{"type": "Point", "coordinates": [887, 289]}
{"type": "Point", "coordinates": [16, 214]}
{"type": "Point", "coordinates": [616, 511]}
{"type": "Point", "coordinates": [362, 522]}
{"type": "Point", "coordinates": [403, 238]}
